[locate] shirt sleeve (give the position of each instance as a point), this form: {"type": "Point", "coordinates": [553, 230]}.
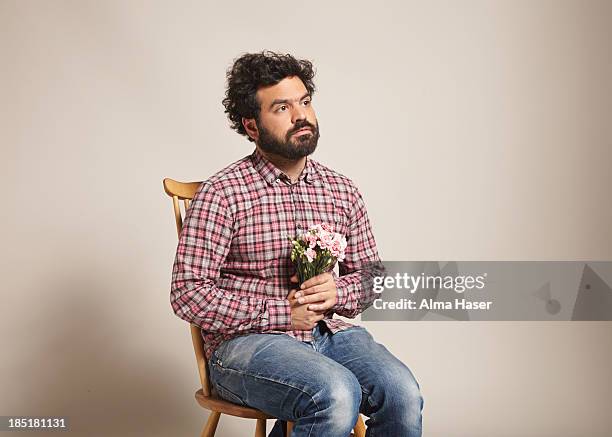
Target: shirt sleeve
{"type": "Point", "coordinates": [203, 245]}
{"type": "Point", "coordinates": [361, 264]}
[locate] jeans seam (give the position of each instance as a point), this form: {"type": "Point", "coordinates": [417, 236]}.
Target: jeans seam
{"type": "Point", "coordinates": [254, 375]}
{"type": "Point", "coordinates": [242, 401]}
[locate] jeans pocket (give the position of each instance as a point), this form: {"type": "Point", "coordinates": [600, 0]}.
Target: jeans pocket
{"type": "Point", "coordinates": [219, 352]}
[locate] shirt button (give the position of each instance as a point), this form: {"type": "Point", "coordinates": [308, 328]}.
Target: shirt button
{"type": "Point", "coordinates": [299, 226]}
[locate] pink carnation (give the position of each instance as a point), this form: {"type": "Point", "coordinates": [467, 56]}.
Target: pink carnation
{"type": "Point", "coordinates": [326, 240]}
{"type": "Point", "coordinates": [311, 239]}
{"type": "Point", "coordinates": [310, 254]}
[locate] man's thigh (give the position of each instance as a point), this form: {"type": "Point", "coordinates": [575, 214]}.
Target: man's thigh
{"type": "Point", "coordinates": [378, 371]}
{"type": "Point", "coordinates": [274, 373]}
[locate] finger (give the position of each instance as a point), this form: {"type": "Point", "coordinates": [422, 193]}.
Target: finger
{"type": "Point", "coordinates": [303, 292]}
{"type": "Point", "coordinates": [323, 305]}
{"type": "Point", "coordinates": [320, 306]}
{"type": "Point", "coordinates": [312, 290]}
{"type": "Point", "coordinates": [317, 280]}
{"type": "Point", "coordinates": [291, 298]}
{"type": "Point", "coordinates": [311, 298]}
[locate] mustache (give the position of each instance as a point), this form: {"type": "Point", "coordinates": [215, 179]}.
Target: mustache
{"type": "Point", "coordinates": [302, 126]}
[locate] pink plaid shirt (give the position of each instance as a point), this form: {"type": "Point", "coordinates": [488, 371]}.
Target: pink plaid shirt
{"type": "Point", "coordinates": [232, 267]}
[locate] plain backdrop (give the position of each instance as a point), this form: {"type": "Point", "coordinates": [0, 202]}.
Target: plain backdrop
{"type": "Point", "coordinates": [476, 130]}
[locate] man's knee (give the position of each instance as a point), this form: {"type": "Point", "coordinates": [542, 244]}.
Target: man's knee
{"type": "Point", "coordinates": [340, 400]}
{"type": "Point", "coordinates": [402, 394]}
{"type": "Point", "coordinates": [345, 394]}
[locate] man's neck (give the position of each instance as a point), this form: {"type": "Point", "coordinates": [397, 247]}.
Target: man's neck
{"type": "Point", "coordinates": [292, 168]}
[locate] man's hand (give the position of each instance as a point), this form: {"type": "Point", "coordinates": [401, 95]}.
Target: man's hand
{"type": "Point", "coordinates": [302, 319]}
{"type": "Point", "coordinates": [320, 292]}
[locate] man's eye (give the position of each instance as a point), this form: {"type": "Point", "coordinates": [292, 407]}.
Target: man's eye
{"type": "Point", "coordinates": [306, 102]}
{"type": "Point", "coordinates": [280, 107]}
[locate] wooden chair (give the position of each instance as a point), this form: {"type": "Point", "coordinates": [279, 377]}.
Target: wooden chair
{"type": "Point", "coordinates": [206, 398]}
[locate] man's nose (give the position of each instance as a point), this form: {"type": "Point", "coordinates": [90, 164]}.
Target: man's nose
{"type": "Point", "coordinates": [299, 113]}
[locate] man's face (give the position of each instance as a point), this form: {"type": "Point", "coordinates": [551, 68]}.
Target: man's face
{"type": "Point", "coordinates": [287, 124]}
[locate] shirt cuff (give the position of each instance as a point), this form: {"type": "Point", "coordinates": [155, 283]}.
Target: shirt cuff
{"type": "Point", "coordinates": [341, 293]}
{"type": "Point", "coordinates": [279, 315]}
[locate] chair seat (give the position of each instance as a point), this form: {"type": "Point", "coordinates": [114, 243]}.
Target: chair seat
{"type": "Point", "coordinates": [214, 403]}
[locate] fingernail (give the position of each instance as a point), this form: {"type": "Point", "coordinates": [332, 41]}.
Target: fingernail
{"type": "Point", "coordinates": [298, 294]}
{"type": "Point", "coordinates": [302, 286]}
{"type": "Point", "coordinates": [301, 300]}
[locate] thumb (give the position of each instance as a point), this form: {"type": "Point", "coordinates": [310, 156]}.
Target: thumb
{"type": "Point", "coordinates": [294, 278]}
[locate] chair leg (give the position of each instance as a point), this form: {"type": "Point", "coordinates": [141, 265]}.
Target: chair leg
{"type": "Point", "coordinates": [360, 429]}
{"type": "Point", "coordinates": [288, 428]}
{"type": "Point", "coordinates": [211, 425]}
{"type": "Point", "coordinates": [260, 428]}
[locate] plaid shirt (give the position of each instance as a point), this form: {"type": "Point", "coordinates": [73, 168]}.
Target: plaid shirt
{"type": "Point", "coordinates": [232, 267]}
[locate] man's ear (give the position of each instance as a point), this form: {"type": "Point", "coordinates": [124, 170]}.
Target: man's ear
{"type": "Point", "coordinates": [251, 127]}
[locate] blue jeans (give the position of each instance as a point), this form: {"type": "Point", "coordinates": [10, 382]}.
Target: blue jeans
{"type": "Point", "coordinates": [321, 385]}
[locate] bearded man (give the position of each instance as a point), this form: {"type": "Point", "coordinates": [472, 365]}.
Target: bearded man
{"type": "Point", "coordinates": [270, 343]}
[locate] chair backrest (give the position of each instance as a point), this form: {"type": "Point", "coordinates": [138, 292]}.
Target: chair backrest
{"type": "Point", "coordinates": [185, 191]}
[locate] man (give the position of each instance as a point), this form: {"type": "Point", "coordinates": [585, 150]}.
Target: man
{"type": "Point", "coordinates": [272, 344]}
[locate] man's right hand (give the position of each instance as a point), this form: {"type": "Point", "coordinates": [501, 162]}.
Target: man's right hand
{"type": "Point", "coordinates": [302, 319]}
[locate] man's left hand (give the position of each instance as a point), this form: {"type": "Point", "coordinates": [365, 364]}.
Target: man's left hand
{"type": "Point", "coordinates": [320, 291]}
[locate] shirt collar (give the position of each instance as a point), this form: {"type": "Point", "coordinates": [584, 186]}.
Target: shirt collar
{"type": "Point", "coordinates": [273, 174]}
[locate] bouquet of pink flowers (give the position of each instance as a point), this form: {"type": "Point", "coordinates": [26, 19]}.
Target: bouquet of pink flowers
{"type": "Point", "coordinates": [316, 251]}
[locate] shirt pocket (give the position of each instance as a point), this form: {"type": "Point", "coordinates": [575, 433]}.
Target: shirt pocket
{"type": "Point", "coordinates": [336, 219]}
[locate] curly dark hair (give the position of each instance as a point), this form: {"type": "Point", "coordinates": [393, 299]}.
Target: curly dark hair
{"type": "Point", "coordinates": [254, 70]}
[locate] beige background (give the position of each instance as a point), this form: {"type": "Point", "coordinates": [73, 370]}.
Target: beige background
{"type": "Point", "coordinates": [475, 130]}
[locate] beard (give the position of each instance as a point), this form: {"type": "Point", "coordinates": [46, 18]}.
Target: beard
{"type": "Point", "coordinates": [291, 147]}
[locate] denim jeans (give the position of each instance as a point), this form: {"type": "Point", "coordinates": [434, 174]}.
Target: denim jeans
{"type": "Point", "coordinates": [321, 385]}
